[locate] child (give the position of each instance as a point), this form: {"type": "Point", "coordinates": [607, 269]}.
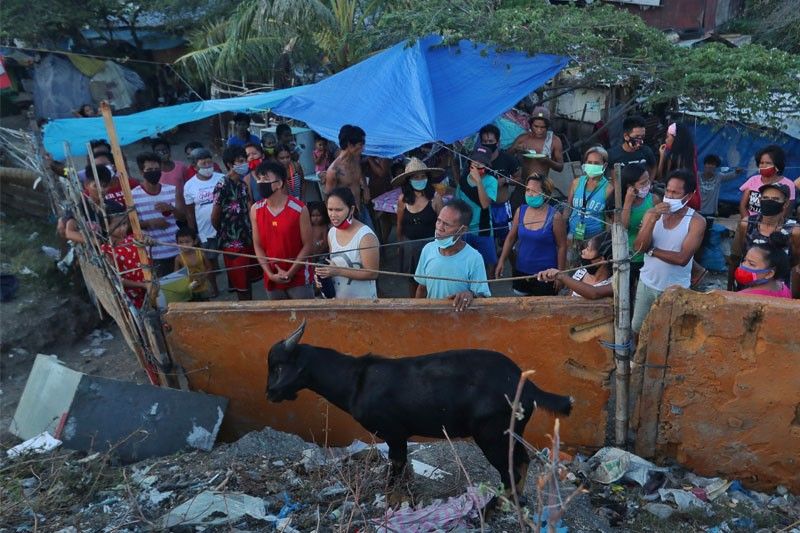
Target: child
{"type": "Point", "coordinates": [319, 229]}
{"type": "Point", "coordinates": [322, 155]}
{"type": "Point", "coordinates": [710, 181]}
{"type": "Point", "coordinates": [123, 253]}
{"type": "Point", "coordinates": [196, 263]}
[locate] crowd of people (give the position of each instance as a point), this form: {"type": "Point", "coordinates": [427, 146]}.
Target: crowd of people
{"type": "Point", "coordinates": [462, 217]}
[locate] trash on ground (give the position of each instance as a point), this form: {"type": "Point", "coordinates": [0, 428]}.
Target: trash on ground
{"type": "Point", "coordinates": [612, 464]}
{"type": "Point", "coordinates": [447, 515]}
{"type": "Point", "coordinates": [685, 500]}
{"type": "Point", "coordinates": [211, 508]}
{"type": "Point", "coordinates": [41, 443]}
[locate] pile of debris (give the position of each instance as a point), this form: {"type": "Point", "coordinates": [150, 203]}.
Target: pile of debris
{"type": "Point", "coordinates": [273, 481]}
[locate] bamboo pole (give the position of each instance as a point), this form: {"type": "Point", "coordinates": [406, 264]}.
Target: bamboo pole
{"type": "Point", "coordinates": [622, 313]}
{"type": "Point", "coordinates": [122, 171]}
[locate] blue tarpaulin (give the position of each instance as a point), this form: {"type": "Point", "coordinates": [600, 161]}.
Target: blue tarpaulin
{"type": "Point", "coordinates": [403, 97]}
{"type": "Point", "coordinates": [130, 128]}
{"type": "Point", "coordinates": [736, 145]}
{"type": "Point", "coordinates": [407, 96]}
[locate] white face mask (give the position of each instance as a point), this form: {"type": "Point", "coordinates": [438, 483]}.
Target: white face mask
{"type": "Point", "coordinates": [675, 204]}
{"type": "Point", "coordinates": [205, 171]}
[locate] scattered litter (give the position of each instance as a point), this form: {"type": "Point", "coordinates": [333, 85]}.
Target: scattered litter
{"type": "Point", "coordinates": [452, 514]}
{"type": "Point", "coordinates": [288, 506]}
{"type": "Point", "coordinates": [283, 525]}
{"type": "Point", "coordinates": [685, 500]}
{"type": "Point", "coordinates": [332, 490]}
{"type": "Point", "coordinates": [89, 458]}
{"type": "Point", "coordinates": [546, 527]}
{"type": "Point", "coordinates": [211, 508]}
{"type": "Point", "coordinates": [25, 271]}
{"type": "Point", "coordinates": [93, 352]}
{"type": "Point", "coordinates": [44, 442]}
{"type": "Point", "coordinates": [66, 262]}
{"type": "Point", "coordinates": [51, 252]}
{"type": "Point", "coordinates": [612, 464]}
{"type": "Point", "coordinates": [33, 236]}
{"type": "Point", "coordinates": [99, 336]}
{"type": "Point", "coordinates": [428, 471]}
{"type": "Point", "coordinates": [154, 497]}
{"type": "Point", "coordinates": [660, 510]}
{"type": "Point", "coordinates": [736, 524]}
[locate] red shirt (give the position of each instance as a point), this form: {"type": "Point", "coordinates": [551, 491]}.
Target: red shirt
{"type": "Point", "coordinates": [280, 237]}
{"type": "Point", "coordinates": [115, 194]}
{"type": "Point", "coordinates": [128, 265]}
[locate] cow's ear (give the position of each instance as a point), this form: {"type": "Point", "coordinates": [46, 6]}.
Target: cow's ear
{"type": "Point", "coordinates": [292, 340]}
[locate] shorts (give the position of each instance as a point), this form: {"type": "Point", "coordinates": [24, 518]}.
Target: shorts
{"type": "Point", "coordinates": [241, 271]}
{"type": "Point", "coordinates": [645, 296]}
{"type": "Point", "coordinates": [211, 249]}
{"type": "Point", "coordinates": [302, 292]}
{"type": "Point", "coordinates": [485, 246]}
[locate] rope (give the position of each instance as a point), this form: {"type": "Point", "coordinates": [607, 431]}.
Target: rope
{"type": "Point", "coordinates": [374, 271]}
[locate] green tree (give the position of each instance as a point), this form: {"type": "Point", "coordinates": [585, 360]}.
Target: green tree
{"type": "Point", "coordinates": [330, 33]}
{"type": "Point", "coordinates": [614, 47]}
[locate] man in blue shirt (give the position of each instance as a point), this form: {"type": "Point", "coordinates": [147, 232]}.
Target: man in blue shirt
{"type": "Point", "coordinates": [448, 256]}
{"type": "Point", "coordinates": [241, 123]}
{"type": "Point", "coordinates": [478, 188]}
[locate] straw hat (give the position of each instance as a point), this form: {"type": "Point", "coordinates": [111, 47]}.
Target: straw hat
{"type": "Point", "coordinates": [414, 168]}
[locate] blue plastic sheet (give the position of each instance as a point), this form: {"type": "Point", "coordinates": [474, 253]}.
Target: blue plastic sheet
{"type": "Point", "coordinates": [407, 96]}
{"type": "Point", "coordinates": [736, 145]}
{"type": "Point", "coordinates": [130, 128]}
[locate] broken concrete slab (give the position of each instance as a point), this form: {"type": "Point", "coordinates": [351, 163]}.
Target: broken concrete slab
{"type": "Point", "coordinates": [98, 414]}
{"type": "Point", "coordinates": [48, 394]}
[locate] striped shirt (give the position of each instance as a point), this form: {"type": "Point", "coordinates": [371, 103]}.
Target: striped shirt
{"type": "Point", "coordinates": [145, 208]}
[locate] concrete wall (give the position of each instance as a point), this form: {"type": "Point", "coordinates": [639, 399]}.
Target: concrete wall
{"type": "Point", "coordinates": [223, 348]}
{"type": "Point", "coordinates": [719, 377]}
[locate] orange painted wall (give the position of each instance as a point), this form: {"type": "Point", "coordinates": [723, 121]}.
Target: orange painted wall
{"type": "Point", "coordinates": [223, 349]}
{"type": "Point", "coordinates": [730, 404]}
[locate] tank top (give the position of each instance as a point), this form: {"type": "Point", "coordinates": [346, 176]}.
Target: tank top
{"type": "Point", "coordinates": [280, 237]}
{"type": "Point", "coordinates": [581, 273]}
{"type": "Point", "coordinates": [635, 224]}
{"type": "Point", "coordinates": [590, 204]}
{"type": "Point", "coordinates": [349, 255]}
{"type": "Point", "coordinates": [658, 274]}
{"type": "Point", "coordinates": [754, 236]}
{"type": "Point", "coordinates": [537, 248]}
{"type": "Point", "coordinates": [421, 225]}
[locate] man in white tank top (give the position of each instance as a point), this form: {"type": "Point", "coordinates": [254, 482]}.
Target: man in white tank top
{"type": "Point", "coordinates": [670, 235]}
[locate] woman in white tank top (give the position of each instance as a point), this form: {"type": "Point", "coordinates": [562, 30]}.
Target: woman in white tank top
{"type": "Point", "coordinates": [353, 247]}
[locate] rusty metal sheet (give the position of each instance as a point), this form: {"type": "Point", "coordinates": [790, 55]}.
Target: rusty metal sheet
{"type": "Point", "coordinates": [731, 390]}
{"type": "Point", "coordinates": [223, 347]}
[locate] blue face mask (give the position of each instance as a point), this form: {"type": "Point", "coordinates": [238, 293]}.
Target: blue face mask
{"type": "Point", "coordinates": [447, 242]}
{"type": "Point", "coordinates": [419, 185]}
{"type": "Point", "coordinates": [241, 169]}
{"type": "Point", "coordinates": [534, 201]}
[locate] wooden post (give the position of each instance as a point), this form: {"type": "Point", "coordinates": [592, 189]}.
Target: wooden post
{"type": "Point", "coordinates": [622, 313]}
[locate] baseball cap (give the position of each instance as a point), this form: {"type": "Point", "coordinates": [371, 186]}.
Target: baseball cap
{"type": "Point", "coordinates": [778, 186]}
{"type": "Point", "coordinates": [481, 155]}
{"type": "Point", "coordinates": [540, 112]}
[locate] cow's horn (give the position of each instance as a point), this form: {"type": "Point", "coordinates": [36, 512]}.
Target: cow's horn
{"type": "Point", "coordinates": [291, 341]}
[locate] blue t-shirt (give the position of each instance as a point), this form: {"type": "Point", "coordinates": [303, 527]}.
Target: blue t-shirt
{"type": "Point", "coordinates": [466, 264]}
{"type": "Point", "coordinates": [235, 140]}
{"type": "Point", "coordinates": [490, 186]}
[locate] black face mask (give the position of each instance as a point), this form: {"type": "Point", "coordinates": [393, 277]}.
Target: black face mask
{"type": "Point", "coordinates": [770, 208]}
{"type": "Point", "coordinates": [152, 176]}
{"type": "Point", "coordinates": [265, 189]}
{"type": "Point", "coordinates": [590, 267]}
{"type": "Point", "coordinates": [491, 147]}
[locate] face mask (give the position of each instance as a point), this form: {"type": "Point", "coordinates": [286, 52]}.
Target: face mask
{"type": "Point", "coordinates": [675, 204]}
{"type": "Point", "coordinates": [152, 176]}
{"type": "Point", "coordinates": [534, 201]}
{"type": "Point", "coordinates": [206, 172]}
{"type": "Point", "coordinates": [270, 151]}
{"type": "Point", "coordinates": [419, 185]}
{"type": "Point", "coordinates": [241, 169]}
{"type": "Point", "coordinates": [590, 267]}
{"type": "Point", "coordinates": [768, 172]}
{"type": "Point", "coordinates": [770, 208]}
{"type": "Point", "coordinates": [346, 223]}
{"type": "Point", "coordinates": [491, 146]}
{"type": "Point", "coordinates": [265, 189]}
{"type": "Point", "coordinates": [643, 192]}
{"type": "Point", "coordinates": [749, 276]}
{"type": "Point", "coordinates": [635, 143]}
{"type": "Point", "coordinates": [252, 165]}
{"type": "Point", "coordinates": [591, 169]}
{"type": "Point", "coordinates": [446, 242]}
